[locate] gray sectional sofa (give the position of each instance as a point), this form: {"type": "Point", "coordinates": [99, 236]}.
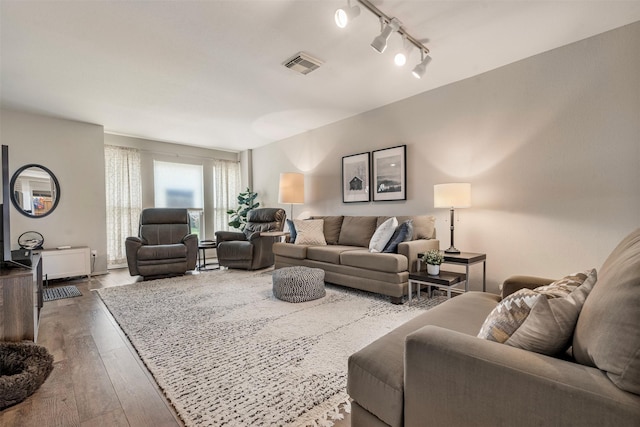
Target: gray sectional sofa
{"type": "Point", "coordinates": [434, 371]}
{"type": "Point", "coordinates": [347, 261]}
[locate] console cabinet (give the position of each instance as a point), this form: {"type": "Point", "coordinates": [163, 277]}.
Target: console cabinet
{"type": "Point", "coordinates": [20, 302]}
{"type": "Point", "coordinates": [61, 263]}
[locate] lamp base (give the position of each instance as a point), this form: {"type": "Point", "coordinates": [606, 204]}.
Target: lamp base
{"type": "Point", "coordinates": [452, 250]}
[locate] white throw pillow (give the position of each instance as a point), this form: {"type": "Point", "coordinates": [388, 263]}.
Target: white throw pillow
{"type": "Point", "coordinates": [309, 232]}
{"type": "Point", "coordinates": [382, 235]}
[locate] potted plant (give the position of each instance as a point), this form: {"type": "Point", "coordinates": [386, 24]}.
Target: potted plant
{"type": "Point", "coordinates": [246, 202]}
{"type": "Point", "coordinates": [433, 258]}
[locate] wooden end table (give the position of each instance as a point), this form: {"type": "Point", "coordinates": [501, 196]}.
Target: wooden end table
{"type": "Point", "coordinates": [467, 259]}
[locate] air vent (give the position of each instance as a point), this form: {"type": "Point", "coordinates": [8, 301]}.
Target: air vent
{"type": "Point", "coordinates": [302, 63]}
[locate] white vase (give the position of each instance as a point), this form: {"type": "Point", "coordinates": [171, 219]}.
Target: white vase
{"type": "Point", "coordinates": [433, 270]}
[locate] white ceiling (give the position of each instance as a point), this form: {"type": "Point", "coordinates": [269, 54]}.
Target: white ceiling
{"type": "Point", "coordinates": [209, 73]}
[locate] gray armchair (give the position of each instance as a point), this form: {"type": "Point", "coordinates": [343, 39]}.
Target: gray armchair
{"type": "Point", "coordinates": [164, 246]}
{"type": "Point", "coordinates": [249, 250]}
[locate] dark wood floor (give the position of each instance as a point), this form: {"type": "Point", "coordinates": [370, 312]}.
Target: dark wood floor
{"type": "Point", "coordinates": [98, 378]}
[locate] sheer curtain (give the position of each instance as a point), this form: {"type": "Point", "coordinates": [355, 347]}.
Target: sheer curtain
{"type": "Point", "coordinates": [226, 187]}
{"type": "Point", "coordinates": [124, 200]}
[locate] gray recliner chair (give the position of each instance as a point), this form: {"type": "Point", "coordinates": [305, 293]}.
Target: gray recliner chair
{"type": "Point", "coordinates": [249, 250]}
{"type": "Point", "coordinates": [165, 244]}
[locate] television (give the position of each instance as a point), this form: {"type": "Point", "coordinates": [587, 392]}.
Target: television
{"type": "Point", "coordinates": [6, 207]}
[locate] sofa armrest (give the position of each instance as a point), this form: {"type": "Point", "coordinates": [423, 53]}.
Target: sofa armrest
{"type": "Point", "coordinates": [131, 246]}
{"type": "Point", "coordinates": [191, 242]}
{"type": "Point", "coordinates": [412, 248]}
{"type": "Point", "coordinates": [457, 379]}
{"type": "Point", "coordinates": [515, 283]}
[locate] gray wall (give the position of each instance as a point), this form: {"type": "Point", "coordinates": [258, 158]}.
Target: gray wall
{"type": "Point", "coordinates": [550, 144]}
{"type": "Point", "coordinates": [74, 152]}
{"type": "Point", "coordinates": [155, 150]}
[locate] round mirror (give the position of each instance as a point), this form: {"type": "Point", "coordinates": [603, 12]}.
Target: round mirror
{"type": "Point", "coordinates": [35, 191]}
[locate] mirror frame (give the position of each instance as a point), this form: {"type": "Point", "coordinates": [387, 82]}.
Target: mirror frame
{"type": "Point", "coordinates": [15, 176]}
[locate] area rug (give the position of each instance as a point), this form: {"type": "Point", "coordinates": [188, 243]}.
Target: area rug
{"type": "Point", "coordinates": [51, 294]}
{"type": "Point", "coordinates": [227, 353]}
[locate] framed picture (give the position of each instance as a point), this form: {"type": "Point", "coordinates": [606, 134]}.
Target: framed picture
{"type": "Point", "coordinates": [356, 177]}
{"type": "Point", "coordinates": [390, 174]}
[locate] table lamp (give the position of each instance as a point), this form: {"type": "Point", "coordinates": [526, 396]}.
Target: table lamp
{"type": "Point", "coordinates": [291, 189]}
{"type": "Point", "coordinates": [454, 195]}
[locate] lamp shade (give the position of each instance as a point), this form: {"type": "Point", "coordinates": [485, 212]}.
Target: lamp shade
{"type": "Point", "coordinates": [291, 188]}
{"type": "Point", "coordinates": [454, 195]}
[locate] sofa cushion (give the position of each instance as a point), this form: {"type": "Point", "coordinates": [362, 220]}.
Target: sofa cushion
{"type": "Point", "coordinates": [382, 235]}
{"type": "Point", "coordinates": [292, 231]}
{"type": "Point", "coordinates": [329, 253]}
{"type": "Point", "coordinates": [390, 263]}
{"type": "Point", "coordinates": [424, 226]}
{"type": "Point", "coordinates": [332, 225]}
{"type": "Point", "coordinates": [357, 230]}
{"type": "Point", "coordinates": [607, 335]}
{"type": "Point", "coordinates": [376, 373]}
{"type": "Point", "coordinates": [162, 252]}
{"type": "Point", "coordinates": [403, 233]}
{"type": "Point", "coordinates": [309, 232]}
{"type": "Point", "coordinates": [543, 319]}
{"type": "Point", "coordinates": [290, 250]}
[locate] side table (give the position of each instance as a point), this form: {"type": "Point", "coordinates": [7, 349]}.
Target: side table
{"type": "Point", "coordinates": [467, 259]}
{"type": "Point", "coordinates": [446, 279]}
{"type": "Point", "coordinates": [202, 254]}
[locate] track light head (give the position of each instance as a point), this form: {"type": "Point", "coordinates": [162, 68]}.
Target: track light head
{"type": "Point", "coordinates": [380, 42]}
{"type": "Point", "coordinates": [421, 68]}
{"type": "Point", "coordinates": [401, 57]}
{"type": "Point", "coordinates": [346, 14]}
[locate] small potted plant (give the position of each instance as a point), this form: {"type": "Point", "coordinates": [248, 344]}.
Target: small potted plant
{"type": "Point", "coordinates": [433, 258]}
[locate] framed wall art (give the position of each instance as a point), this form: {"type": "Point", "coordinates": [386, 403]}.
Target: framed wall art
{"type": "Point", "coordinates": [390, 174]}
{"type": "Point", "coordinates": [356, 178]}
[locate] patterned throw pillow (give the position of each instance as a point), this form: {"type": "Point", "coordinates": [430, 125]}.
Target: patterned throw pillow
{"type": "Point", "coordinates": [309, 232]}
{"type": "Point", "coordinates": [403, 233]}
{"type": "Point", "coordinates": [543, 319]}
{"type": "Point", "coordinates": [382, 235]}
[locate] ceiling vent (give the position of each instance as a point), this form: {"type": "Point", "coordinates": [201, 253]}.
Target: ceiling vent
{"type": "Point", "coordinates": [302, 63]}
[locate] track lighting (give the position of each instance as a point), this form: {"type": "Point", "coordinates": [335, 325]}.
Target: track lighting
{"type": "Point", "coordinates": [421, 68]}
{"type": "Point", "coordinates": [344, 15]}
{"type": "Point", "coordinates": [388, 25]}
{"type": "Point", "coordinates": [380, 42]}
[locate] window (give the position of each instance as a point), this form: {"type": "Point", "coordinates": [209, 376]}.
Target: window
{"type": "Point", "coordinates": [179, 185]}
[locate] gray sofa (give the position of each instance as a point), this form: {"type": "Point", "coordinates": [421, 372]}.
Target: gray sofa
{"type": "Point", "coordinates": [347, 261]}
{"type": "Point", "coordinates": [434, 371]}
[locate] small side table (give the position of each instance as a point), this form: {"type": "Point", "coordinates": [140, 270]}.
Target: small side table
{"type": "Point", "coordinates": [467, 259]}
{"type": "Point", "coordinates": [446, 279]}
{"type": "Point", "coordinates": [202, 254]}
{"type": "Point", "coordinates": [281, 234]}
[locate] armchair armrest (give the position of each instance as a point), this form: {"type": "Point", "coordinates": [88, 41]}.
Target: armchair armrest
{"type": "Point", "coordinates": [223, 236]}
{"type": "Point", "coordinates": [412, 248]}
{"type": "Point", "coordinates": [131, 246]}
{"type": "Point", "coordinates": [515, 283]}
{"type": "Point", "coordinates": [457, 379]}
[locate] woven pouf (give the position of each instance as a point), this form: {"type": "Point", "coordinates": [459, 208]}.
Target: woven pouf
{"type": "Point", "coordinates": [298, 284]}
{"type": "Point", "coordinates": [23, 368]}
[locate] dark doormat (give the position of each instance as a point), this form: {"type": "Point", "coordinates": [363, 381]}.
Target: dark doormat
{"type": "Point", "coordinates": [50, 294]}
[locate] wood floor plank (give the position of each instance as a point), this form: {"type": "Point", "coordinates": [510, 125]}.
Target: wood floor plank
{"type": "Point", "coordinates": [115, 418]}
{"type": "Point", "coordinates": [95, 395]}
{"type": "Point", "coordinates": [142, 403]}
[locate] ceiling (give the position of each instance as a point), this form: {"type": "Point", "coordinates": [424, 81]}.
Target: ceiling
{"type": "Point", "coordinates": [210, 73]}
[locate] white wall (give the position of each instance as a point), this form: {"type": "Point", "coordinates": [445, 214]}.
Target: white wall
{"type": "Point", "coordinates": [550, 144]}
{"type": "Point", "coordinates": [155, 150]}
{"type": "Point", "coordinates": [74, 152]}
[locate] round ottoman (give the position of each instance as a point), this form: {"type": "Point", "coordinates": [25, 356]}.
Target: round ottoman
{"type": "Point", "coordinates": [23, 368]}
{"type": "Point", "coordinates": [298, 284]}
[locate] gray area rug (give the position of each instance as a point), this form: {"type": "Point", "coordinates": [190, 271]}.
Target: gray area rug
{"type": "Point", "coordinates": [227, 353]}
{"type": "Point", "coordinates": [51, 294]}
